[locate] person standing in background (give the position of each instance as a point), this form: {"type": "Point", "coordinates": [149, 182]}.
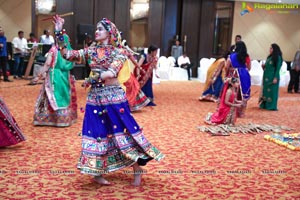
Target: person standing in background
{"type": "Point", "coordinates": [3, 55]}
{"type": "Point", "coordinates": [295, 73]}
{"type": "Point", "coordinates": [19, 50]}
{"type": "Point", "coordinates": [237, 39]}
{"type": "Point", "coordinates": [176, 51]}
{"type": "Point", "coordinates": [271, 78]}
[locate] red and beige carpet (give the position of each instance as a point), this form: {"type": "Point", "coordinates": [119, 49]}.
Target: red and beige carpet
{"type": "Point", "coordinates": [197, 165]}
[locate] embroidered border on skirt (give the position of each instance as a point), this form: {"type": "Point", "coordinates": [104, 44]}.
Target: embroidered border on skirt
{"type": "Point", "coordinates": [111, 138]}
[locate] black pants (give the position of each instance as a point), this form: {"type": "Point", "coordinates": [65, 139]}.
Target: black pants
{"type": "Point", "coordinates": [294, 81]}
{"type": "Point", "coordinates": [188, 68]}
{"type": "Point", "coordinates": [3, 64]}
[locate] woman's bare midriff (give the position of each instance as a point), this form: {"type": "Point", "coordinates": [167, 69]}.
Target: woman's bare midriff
{"type": "Point", "coordinates": [112, 81]}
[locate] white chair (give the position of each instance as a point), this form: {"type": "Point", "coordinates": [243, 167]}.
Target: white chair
{"type": "Point", "coordinates": [202, 70]}
{"type": "Point", "coordinates": [212, 60]}
{"type": "Point", "coordinates": [262, 62]}
{"type": "Point", "coordinates": [177, 73]}
{"type": "Point", "coordinates": [155, 80]}
{"type": "Point", "coordinates": [256, 72]}
{"type": "Point", "coordinates": [284, 75]}
{"type": "Point", "coordinates": [171, 61]}
{"type": "Point", "coordinates": [163, 68]}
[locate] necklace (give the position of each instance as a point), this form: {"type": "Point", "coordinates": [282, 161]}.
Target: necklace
{"type": "Point", "coordinates": [102, 55]}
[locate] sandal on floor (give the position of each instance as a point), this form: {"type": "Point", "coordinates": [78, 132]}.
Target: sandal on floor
{"type": "Point", "coordinates": [213, 99]}
{"type": "Point", "coordinates": [32, 83]}
{"type": "Point", "coordinates": [201, 98]}
{"type": "Point", "coordinates": [204, 98]}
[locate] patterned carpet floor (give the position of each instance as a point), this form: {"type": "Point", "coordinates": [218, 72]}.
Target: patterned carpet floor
{"type": "Point", "coordinates": [197, 165]}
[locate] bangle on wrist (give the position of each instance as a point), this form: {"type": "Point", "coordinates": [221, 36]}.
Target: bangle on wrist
{"type": "Point", "coordinates": [60, 37]}
{"type": "Point", "coordinates": [59, 32]}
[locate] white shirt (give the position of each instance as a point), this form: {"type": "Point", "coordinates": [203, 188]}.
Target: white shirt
{"type": "Point", "coordinates": [47, 40]}
{"type": "Point", "coordinates": [21, 44]}
{"type": "Point", "coordinates": [183, 60]}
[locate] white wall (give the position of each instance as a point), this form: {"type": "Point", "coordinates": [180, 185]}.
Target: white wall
{"type": "Point", "coordinates": [15, 15]}
{"type": "Point", "coordinates": [260, 28]}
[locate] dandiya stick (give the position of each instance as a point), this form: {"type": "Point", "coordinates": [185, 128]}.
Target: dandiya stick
{"type": "Point", "coordinates": [62, 15]}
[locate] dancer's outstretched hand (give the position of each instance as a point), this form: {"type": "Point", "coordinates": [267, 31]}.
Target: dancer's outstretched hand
{"type": "Point", "coordinates": [58, 22]}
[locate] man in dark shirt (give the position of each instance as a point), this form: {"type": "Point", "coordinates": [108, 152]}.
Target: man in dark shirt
{"type": "Point", "coordinates": [237, 39]}
{"type": "Point", "coordinates": [294, 74]}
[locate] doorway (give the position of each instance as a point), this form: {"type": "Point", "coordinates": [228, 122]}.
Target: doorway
{"type": "Point", "coordinates": [139, 13]}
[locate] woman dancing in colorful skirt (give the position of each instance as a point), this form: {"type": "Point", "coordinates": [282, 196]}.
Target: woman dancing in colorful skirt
{"type": "Point", "coordinates": [111, 138]}
{"type": "Point", "coordinates": [56, 104]}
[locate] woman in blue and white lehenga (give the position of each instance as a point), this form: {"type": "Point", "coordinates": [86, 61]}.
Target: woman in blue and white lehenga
{"type": "Point", "coordinates": [111, 138]}
{"type": "Point", "coordinates": [238, 65]}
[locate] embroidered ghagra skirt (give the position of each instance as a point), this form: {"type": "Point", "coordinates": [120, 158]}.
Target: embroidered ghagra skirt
{"type": "Point", "coordinates": [45, 115]}
{"type": "Point", "coordinates": [111, 138]}
{"type": "Point", "coordinates": [10, 132]}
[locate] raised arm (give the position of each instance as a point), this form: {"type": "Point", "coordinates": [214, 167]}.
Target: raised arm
{"type": "Point", "coordinates": [62, 44]}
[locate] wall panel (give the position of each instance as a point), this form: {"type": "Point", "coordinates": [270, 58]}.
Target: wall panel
{"type": "Point", "coordinates": [122, 17]}
{"type": "Point", "coordinates": [206, 32]}
{"type": "Point", "coordinates": [261, 28]}
{"type": "Point", "coordinates": [190, 26]}
{"type": "Point", "coordinates": [83, 15]}
{"type": "Point", "coordinates": [104, 8]}
{"type": "Point", "coordinates": [156, 22]}
{"type": "Point", "coordinates": [170, 26]}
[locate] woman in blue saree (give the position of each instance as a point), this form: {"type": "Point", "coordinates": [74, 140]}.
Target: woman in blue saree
{"type": "Point", "coordinates": [238, 65]}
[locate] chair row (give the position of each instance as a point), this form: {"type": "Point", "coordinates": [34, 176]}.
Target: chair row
{"type": "Point", "coordinates": [167, 71]}
{"type": "Point", "coordinates": [256, 71]}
